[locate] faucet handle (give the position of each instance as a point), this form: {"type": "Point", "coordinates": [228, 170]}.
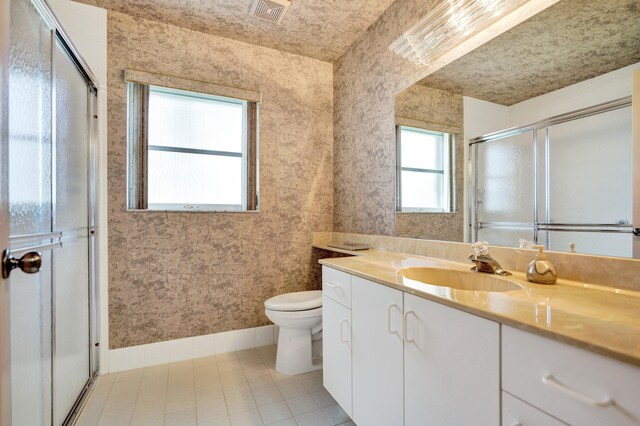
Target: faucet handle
{"type": "Point", "coordinates": [480, 248]}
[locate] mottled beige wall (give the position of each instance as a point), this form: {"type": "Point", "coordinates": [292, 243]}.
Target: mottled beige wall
{"type": "Point", "coordinates": [175, 275]}
{"type": "Point", "coordinates": [441, 111]}
{"type": "Point", "coordinates": [366, 79]}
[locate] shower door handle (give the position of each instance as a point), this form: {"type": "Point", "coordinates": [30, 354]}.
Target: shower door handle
{"type": "Point", "coordinates": [29, 263]}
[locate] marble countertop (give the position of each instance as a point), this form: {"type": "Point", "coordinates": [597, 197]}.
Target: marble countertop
{"type": "Point", "coordinates": [597, 318]}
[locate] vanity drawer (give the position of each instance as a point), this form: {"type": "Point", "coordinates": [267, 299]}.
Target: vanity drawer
{"type": "Point", "coordinates": [576, 386]}
{"type": "Point", "coordinates": [336, 285]}
{"type": "Point", "coordinates": [519, 413]}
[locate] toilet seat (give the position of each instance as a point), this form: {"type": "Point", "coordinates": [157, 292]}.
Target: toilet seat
{"type": "Point", "coordinates": [298, 301]}
{"type": "Point", "coordinates": [289, 315]}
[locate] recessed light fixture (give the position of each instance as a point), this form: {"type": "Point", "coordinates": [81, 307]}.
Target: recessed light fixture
{"type": "Point", "coordinates": [269, 10]}
{"type": "Point", "coordinates": [450, 23]}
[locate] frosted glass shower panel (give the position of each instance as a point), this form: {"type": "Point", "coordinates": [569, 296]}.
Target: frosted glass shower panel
{"type": "Point", "coordinates": [31, 345]}
{"type": "Point", "coordinates": [609, 244]}
{"type": "Point", "coordinates": [29, 122]}
{"type": "Point", "coordinates": [72, 145]}
{"type": "Point", "coordinates": [71, 261]}
{"type": "Point", "coordinates": [505, 179]}
{"type": "Point", "coordinates": [590, 169]}
{"type": "Point", "coordinates": [505, 236]}
{"type": "Point", "coordinates": [30, 212]}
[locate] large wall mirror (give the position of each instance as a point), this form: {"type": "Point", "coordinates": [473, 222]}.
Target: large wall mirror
{"type": "Point", "coordinates": [528, 139]}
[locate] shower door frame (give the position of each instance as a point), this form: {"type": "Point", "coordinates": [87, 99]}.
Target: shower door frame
{"type": "Point", "coordinates": [5, 313]}
{"type": "Point", "coordinates": [542, 128]}
{"type": "Point", "coordinates": [58, 34]}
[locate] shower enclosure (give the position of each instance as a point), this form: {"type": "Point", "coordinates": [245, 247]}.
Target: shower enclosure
{"type": "Point", "coordinates": [52, 308]}
{"type": "Point", "coordinates": [563, 181]}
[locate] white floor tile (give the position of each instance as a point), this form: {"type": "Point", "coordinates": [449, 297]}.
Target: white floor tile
{"type": "Point", "coordinates": [287, 422]}
{"type": "Point", "coordinates": [323, 398]}
{"type": "Point", "coordinates": [184, 417]}
{"type": "Point", "coordinates": [291, 387]}
{"type": "Point", "coordinates": [237, 388]}
{"type": "Point", "coordinates": [217, 422]}
{"type": "Point", "coordinates": [335, 414]}
{"type": "Point", "coordinates": [246, 418]}
{"type": "Point", "coordinates": [213, 408]}
{"type": "Point", "coordinates": [302, 404]}
{"type": "Point", "coordinates": [313, 418]}
{"type": "Point", "coordinates": [275, 412]}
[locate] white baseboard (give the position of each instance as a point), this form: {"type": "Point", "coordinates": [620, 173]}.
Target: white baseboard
{"type": "Point", "coordinates": [189, 348]}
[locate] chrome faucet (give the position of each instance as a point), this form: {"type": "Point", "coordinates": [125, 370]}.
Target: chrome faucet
{"type": "Point", "coordinates": [484, 262]}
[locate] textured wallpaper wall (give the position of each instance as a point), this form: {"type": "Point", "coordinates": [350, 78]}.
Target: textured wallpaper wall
{"type": "Point", "coordinates": [441, 111]}
{"type": "Point", "coordinates": [175, 275]}
{"type": "Point", "coordinates": [366, 79]}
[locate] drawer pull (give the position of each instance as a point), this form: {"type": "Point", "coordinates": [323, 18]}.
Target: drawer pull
{"type": "Point", "coordinates": [337, 287]}
{"type": "Point", "coordinates": [549, 380]}
{"type": "Point", "coordinates": [389, 319]}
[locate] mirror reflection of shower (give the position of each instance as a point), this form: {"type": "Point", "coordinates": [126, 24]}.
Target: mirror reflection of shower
{"type": "Point", "coordinates": [564, 182]}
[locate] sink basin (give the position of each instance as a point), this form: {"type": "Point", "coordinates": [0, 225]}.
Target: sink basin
{"type": "Point", "coordinates": [459, 280]}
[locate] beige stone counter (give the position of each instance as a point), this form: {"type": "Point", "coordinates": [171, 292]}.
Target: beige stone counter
{"type": "Point", "coordinates": [597, 318]}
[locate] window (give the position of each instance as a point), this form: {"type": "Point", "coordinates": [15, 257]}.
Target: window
{"type": "Point", "coordinates": [425, 170]}
{"type": "Point", "coordinates": [191, 151]}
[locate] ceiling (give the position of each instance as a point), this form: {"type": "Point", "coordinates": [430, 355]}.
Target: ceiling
{"type": "Point", "coordinates": [321, 29]}
{"type": "Point", "coordinates": [570, 42]}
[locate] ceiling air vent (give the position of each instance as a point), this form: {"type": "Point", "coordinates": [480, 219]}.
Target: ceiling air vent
{"type": "Point", "coordinates": [269, 10]}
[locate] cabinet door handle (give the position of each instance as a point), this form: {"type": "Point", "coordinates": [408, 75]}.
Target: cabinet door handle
{"type": "Point", "coordinates": [389, 330]}
{"type": "Point", "coordinates": [334, 286]}
{"type": "Point", "coordinates": [342, 339]}
{"type": "Point", "coordinates": [551, 381]}
{"type": "Point", "coordinates": [406, 330]}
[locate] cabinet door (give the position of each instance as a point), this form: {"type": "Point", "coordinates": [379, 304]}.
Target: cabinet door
{"type": "Point", "coordinates": [452, 366]}
{"type": "Point", "coordinates": [377, 354]}
{"type": "Point", "coordinates": [336, 351]}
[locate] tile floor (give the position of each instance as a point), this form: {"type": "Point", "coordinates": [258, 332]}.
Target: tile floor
{"type": "Point", "coordinates": [238, 388]}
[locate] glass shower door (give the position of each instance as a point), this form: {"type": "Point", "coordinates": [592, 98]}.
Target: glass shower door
{"type": "Point", "coordinates": [504, 182]}
{"type": "Point", "coordinates": [71, 273]}
{"type": "Point", "coordinates": [30, 164]}
{"type": "Point", "coordinates": [589, 178]}
{"type": "Point", "coordinates": [51, 104]}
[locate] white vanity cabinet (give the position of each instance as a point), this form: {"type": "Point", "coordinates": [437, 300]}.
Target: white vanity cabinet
{"type": "Point", "coordinates": [571, 384]}
{"type": "Point", "coordinates": [411, 361]}
{"type": "Point", "coordinates": [392, 358]}
{"type": "Point", "coordinates": [451, 366]}
{"type": "Point", "coordinates": [336, 336]}
{"type": "Point", "coordinates": [377, 354]}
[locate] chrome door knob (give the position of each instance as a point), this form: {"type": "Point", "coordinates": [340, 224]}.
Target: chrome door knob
{"type": "Point", "coordinates": [636, 232]}
{"type": "Point", "coordinates": [29, 263]}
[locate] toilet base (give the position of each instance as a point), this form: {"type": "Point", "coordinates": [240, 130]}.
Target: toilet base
{"type": "Point", "coordinates": [294, 355]}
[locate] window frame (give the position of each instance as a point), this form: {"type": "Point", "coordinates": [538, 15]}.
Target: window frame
{"type": "Point", "coordinates": [448, 171]}
{"type": "Point", "coordinates": [248, 160]}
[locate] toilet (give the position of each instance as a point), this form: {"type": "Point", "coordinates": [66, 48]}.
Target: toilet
{"type": "Point", "coordinates": [299, 316]}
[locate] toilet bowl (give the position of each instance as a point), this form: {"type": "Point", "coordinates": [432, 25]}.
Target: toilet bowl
{"type": "Point", "coordinates": [299, 316]}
